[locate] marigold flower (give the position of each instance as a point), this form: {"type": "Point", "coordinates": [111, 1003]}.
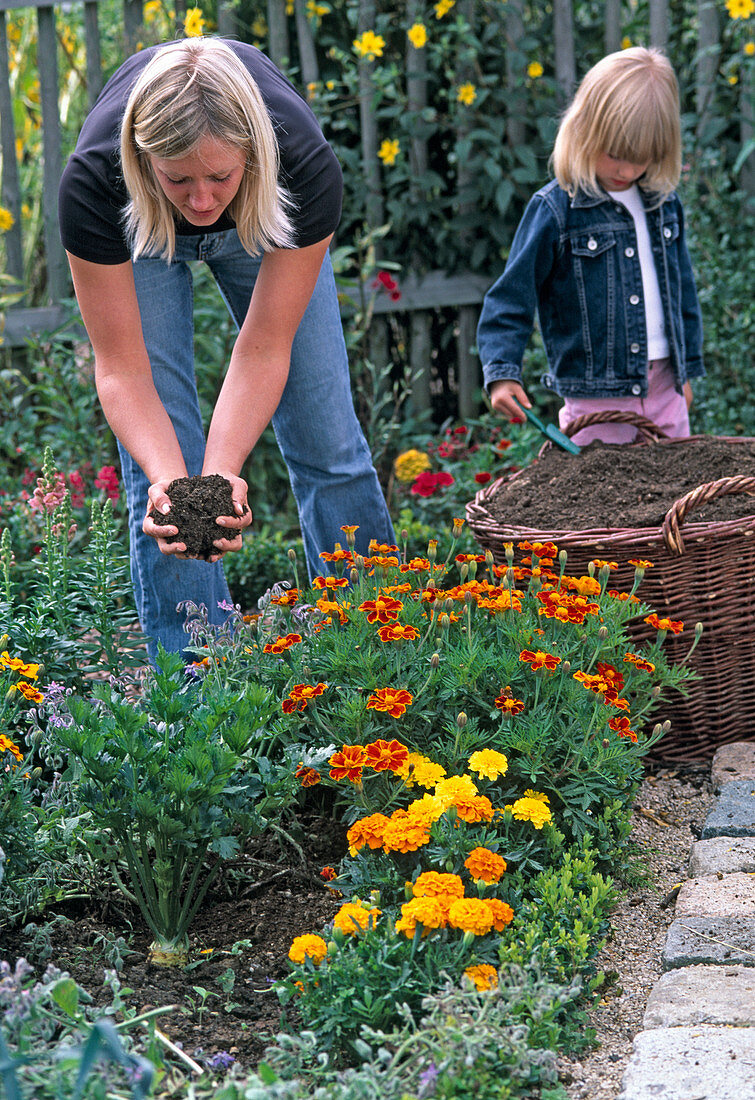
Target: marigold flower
{"type": "Point", "coordinates": [405, 832]}
{"type": "Point", "coordinates": [369, 831]}
{"type": "Point", "coordinates": [15, 664]}
{"type": "Point", "coordinates": [427, 809]}
{"type": "Point", "coordinates": [286, 599]}
{"type": "Point", "coordinates": [384, 756]}
{"type": "Point", "coordinates": [670, 625]}
{"type": "Point", "coordinates": [471, 915]}
{"type": "Point", "coordinates": [194, 23]}
{"type": "Point", "coordinates": [330, 582]}
{"type": "Point", "coordinates": [443, 7]}
{"type": "Point", "coordinates": [328, 874]}
{"type": "Point", "coordinates": [425, 911]}
{"type": "Point", "coordinates": [508, 704]}
{"type": "Point", "coordinates": [740, 9]}
{"type": "Point", "coordinates": [540, 549]}
{"type": "Point", "coordinates": [352, 918]}
{"type": "Point", "coordinates": [308, 947]}
{"type": "Point", "coordinates": [300, 696]}
{"type": "Point", "coordinates": [369, 45]}
{"type": "Point", "coordinates": [474, 810]}
{"type": "Point", "coordinates": [418, 769]}
{"type": "Point", "coordinates": [411, 464]}
{"type": "Point", "coordinates": [466, 94]}
{"type": "Point", "coordinates": [639, 662]}
{"type": "Point", "coordinates": [503, 914]}
{"type": "Point", "coordinates": [488, 763]}
{"type": "Point", "coordinates": [599, 564]}
{"type": "Point", "coordinates": [308, 777]}
{"type": "Point", "coordinates": [398, 632]}
{"type": "Point", "coordinates": [433, 884]}
{"type": "Point", "coordinates": [34, 695]}
{"type": "Point", "coordinates": [535, 70]}
{"type": "Point", "coordinates": [389, 150]}
{"type": "Point", "coordinates": [621, 726]}
{"type": "Point", "coordinates": [338, 555]}
{"type": "Point", "coordinates": [280, 645]}
{"type": "Point", "coordinates": [640, 563]}
{"type": "Point", "coordinates": [393, 701]}
{"type": "Point", "coordinates": [417, 35]}
{"type": "Point", "coordinates": [540, 659]}
{"type": "Point", "coordinates": [383, 609]}
{"type": "Point", "coordinates": [484, 865]}
{"type": "Point", "coordinates": [531, 809]}
{"type": "Point", "coordinates": [7, 221]}
{"type": "Point", "coordinates": [483, 975]}
{"type": "Point", "coordinates": [586, 586]}
{"type": "Point", "coordinates": [348, 763]}
{"type": "Point", "coordinates": [455, 787]}
{"type": "Point", "coordinates": [6, 745]}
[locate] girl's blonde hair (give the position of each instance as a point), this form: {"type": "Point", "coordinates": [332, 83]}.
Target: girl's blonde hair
{"type": "Point", "coordinates": [189, 90]}
{"type": "Point", "coordinates": [628, 107]}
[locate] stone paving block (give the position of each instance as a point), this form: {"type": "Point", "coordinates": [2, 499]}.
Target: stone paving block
{"type": "Point", "coordinates": [720, 995]}
{"type": "Point", "coordinates": [710, 896]}
{"type": "Point", "coordinates": [722, 854]}
{"type": "Point", "coordinates": [731, 762]}
{"type": "Point", "coordinates": [733, 813]}
{"type": "Point", "coordinates": [720, 940]}
{"type": "Point", "coordinates": [691, 1063]}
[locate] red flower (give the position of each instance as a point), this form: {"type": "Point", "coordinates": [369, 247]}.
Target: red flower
{"type": "Point", "coordinates": [670, 625]}
{"type": "Point", "coordinates": [107, 479]}
{"type": "Point", "coordinates": [348, 763]}
{"type": "Point", "coordinates": [308, 777]}
{"type": "Point", "coordinates": [426, 483]}
{"type": "Point", "coordinates": [398, 632]}
{"type": "Point", "coordinates": [381, 610]}
{"type": "Point", "coordinates": [540, 659]}
{"type": "Point", "coordinates": [393, 701]}
{"type": "Point", "coordinates": [384, 756]}
{"type": "Point", "coordinates": [483, 477]}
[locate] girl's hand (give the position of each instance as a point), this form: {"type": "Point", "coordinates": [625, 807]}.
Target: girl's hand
{"type": "Point", "coordinates": [688, 395]}
{"type": "Point", "coordinates": [237, 523]}
{"type": "Point", "coordinates": [504, 395]}
{"type": "Point", "coordinates": [159, 501]}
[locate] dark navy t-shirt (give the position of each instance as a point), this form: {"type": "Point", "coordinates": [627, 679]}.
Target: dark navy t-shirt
{"type": "Point", "coordinates": [92, 194]}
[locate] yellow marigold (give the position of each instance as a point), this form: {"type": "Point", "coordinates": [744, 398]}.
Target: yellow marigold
{"type": "Point", "coordinates": [534, 70]}
{"type": "Point", "coordinates": [443, 7]}
{"type": "Point", "coordinates": [6, 745]}
{"type": "Point", "coordinates": [352, 918]}
{"type": "Point", "coordinates": [749, 48]}
{"type": "Point", "coordinates": [536, 794]}
{"type": "Point", "coordinates": [740, 9]}
{"type": "Point", "coordinates": [471, 915]}
{"type": "Point", "coordinates": [423, 910]}
{"type": "Point", "coordinates": [6, 219]}
{"type": "Point", "coordinates": [417, 35]}
{"type": "Point", "coordinates": [433, 884]}
{"type": "Point", "coordinates": [466, 94]}
{"type": "Point", "coordinates": [484, 865]}
{"type": "Point", "coordinates": [418, 769]}
{"type": "Point", "coordinates": [389, 150]}
{"type": "Point", "coordinates": [456, 787]}
{"type": "Point", "coordinates": [531, 809]}
{"type": "Point", "coordinates": [483, 975]}
{"type": "Point", "coordinates": [488, 763]}
{"type": "Point", "coordinates": [369, 831]}
{"type": "Point", "coordinates": [426, 809]}
{"type": "Point", "coordinates": [369, 45]}
{"type": "Point", "coordinates": [308, 947]}
{"type": "Point", "coordinates": [194, 23]}
{"type": "Point", "coordinates": [410, 464]}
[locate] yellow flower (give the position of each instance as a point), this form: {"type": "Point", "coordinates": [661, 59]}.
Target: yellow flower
{"type": "Point", "coordinates": [466, 94]}
{"type": "Point", "coordinates": [6, 745]}
{"type": "Point", "coordinates": [410, 464]}
{"type": "Point", "coordinates": [733, 79]}
{"type": "Point", "coordinates": [443, 7]}
{"type": "Point", "coordinates": [471, 915]}
{"type": "Point", "coordinates": [626, 42]}
{"type": "Point", "coordinates": [488, 763]}
{"type": "Point", "coordinates": [749, 48]}
{"type": "Point", "coordinates": [534, 70]}
{"type": "Point", "coordinates": [259, 27]}
{"type": "Point", "coordinates": [483, 975]}
{"type": "Point", "coordinates": [531, 809]}
{"type": "Point", "coordinates": [194, 23]}
{"type": "Point", "coordinates": [151, 10]}
{"type": "Point", "coordinates": [317, 10]}
{"type": "Point", "coordinates": [370, 45]}
{"type": "Point", "coordinates": [426, 911]}
{"type": "Point", "coordinates": [388, 151]}
{"type": "Point", "coordinates": [417, 35]}
{"type": "Point", "coordinates": [740, 9]}
{"type": "Point", "coordinates": [308, 947]}
{"type": "Point", "coordinates": [455, 788]}
{"type": "Point", "coordinates": [6, 220]}
{"type": "Point", "coordinates": [352, 918]}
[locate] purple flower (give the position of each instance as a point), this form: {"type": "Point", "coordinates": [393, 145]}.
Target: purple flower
{"type": "Point", "coordinates": [220, 1060]}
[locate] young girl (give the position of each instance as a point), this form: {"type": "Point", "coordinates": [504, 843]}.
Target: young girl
{"type": "Point", "coordinates": [600, 255]}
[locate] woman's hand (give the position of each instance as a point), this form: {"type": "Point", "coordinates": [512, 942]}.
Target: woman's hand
{"type": "Point", "coordinates": [159, 501]}
{"type": "Point", "coordinates": [504, 395]}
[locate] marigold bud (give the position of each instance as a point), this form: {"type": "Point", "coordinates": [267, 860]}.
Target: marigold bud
{"type": "Point", "coordinates": [461, 720]}
{"type": "Point", "coordinates": [292, 555]}
{"type": "Point", "coordinates": [435, 660]}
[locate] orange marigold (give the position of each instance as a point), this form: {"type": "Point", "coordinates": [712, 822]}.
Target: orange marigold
{"type": "Point", "coordinates": [369, 831]}
{"type": "Point", "coordinates": [405, 832]}
{"type": "Point", "coordinates": [639, 662]}
{"type": "Point", "coordinates": [308, 947]}
{"type": "Point", "coordinates": [382, 609]}
{"type": "Point", "coordinates": [433, 884]}
{"type": "Point", "coordinates": [280, 645]}
{"type": "Point", "coordinates": [6, 745]}
{"type": "Point", "coordinates": [425, 911]}
{"type": "Point", "coordinates": [352, 918]}
{"type": "Point", "coordinates": [348, 763]}
{"type": "Point", "coordinates": [540, 659]}
{"type": "Point", "coordinates": [398, 632]}
{"type": "Point", "coordinates": [483, 975]}
{"type": "Point", "coordinates": [502, 913]}
{"type": "Point", "coordinates": [308, 777]}
{"type": "Point", "coordinates": [484, 865]}
{"type": "Point", "coordinates": [671, 626]}
{"type": "Point", "coordinates": [471, 915]}
{"type": "Point", "coordinates": [508, 704]}
{"type": "Point", "coordinates": [384, 756]}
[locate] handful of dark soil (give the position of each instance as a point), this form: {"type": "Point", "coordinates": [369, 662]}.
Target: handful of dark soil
{"type": "Point", "coordinates": [613, 485]}
{"type": "Point", "coordinates": [195, 504]}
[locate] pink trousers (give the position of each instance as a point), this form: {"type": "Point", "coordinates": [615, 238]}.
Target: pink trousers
{"type": "Point", "coordinates": [663, 405]}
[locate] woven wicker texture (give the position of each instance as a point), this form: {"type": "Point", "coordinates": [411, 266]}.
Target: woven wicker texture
{"type": "Point", "coordinates": [702, 572]}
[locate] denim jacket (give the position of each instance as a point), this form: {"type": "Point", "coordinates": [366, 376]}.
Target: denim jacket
{"type": "Point", "coordinates": [575, 262]}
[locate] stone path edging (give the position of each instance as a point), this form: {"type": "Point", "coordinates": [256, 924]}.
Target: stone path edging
{"type": "Point", "coordinates": [698, 1037]}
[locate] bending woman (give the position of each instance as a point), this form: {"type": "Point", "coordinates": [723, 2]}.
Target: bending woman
{"type": "Point", "coordinates": [202, 150]}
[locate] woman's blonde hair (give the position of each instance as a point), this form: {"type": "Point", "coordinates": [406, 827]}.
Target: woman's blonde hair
{"type": "Point", "coordinates": [628, 107]}
{"type": "Point", "coordinates": [189, 90]}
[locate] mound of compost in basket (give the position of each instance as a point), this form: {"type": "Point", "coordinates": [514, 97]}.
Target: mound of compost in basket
{"type": "Point", "coordinates": [623, 485]}
{"type": "Point", "coordinates": [195, 504]}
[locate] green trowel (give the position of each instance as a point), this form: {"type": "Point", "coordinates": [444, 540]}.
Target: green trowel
{"type": "Point", "coordinates": [550, 431]}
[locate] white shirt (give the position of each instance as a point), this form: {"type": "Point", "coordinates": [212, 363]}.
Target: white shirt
{"type": "Point", "coordinates": [658, 347]}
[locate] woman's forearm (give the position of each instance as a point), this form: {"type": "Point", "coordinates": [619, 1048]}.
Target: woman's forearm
{"type": "Point", "coordinates": [139, 421]}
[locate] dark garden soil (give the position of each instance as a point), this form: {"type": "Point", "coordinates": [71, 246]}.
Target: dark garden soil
{"type": "Point", "coordinates": [611, 485]}
{"type": "Point", "coordinates": [239, 944]}
{"type": "Point", "coordinates": [195, 504]}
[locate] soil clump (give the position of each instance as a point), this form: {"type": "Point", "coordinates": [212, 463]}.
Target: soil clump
{"type": "Point", "coordinates": [195, 504]}
{"type": "Point", "coordinates": [623, 485]}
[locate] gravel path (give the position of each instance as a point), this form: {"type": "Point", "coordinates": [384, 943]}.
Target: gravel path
{"type": "Point", "coordinates": [669, 812]}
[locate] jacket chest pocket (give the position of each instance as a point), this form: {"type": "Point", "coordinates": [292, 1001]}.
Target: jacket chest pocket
{"type": "Point", "coordinates": [588, 246]}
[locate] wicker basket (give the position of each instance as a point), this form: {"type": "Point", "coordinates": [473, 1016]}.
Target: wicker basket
{"type": "Point", "coordinates": [702, 572]}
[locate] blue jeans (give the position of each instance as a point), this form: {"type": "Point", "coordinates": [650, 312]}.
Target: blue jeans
{"type": "Point", "coordinates": [329, 463]}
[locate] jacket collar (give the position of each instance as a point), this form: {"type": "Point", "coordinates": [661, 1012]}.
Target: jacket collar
{"type": "Point", "coordinates": [582, 199]}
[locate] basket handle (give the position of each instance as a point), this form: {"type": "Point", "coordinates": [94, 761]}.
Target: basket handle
{"type": "Point", "coordinates": [647, 431]}
{"type": "Point", "coordinates": [677, 513]}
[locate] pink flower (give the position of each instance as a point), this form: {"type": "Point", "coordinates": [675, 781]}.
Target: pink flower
{"type": "Point", "coordinates": [47, 497]}
{"type": "Point", "coordinates": [107, 479]}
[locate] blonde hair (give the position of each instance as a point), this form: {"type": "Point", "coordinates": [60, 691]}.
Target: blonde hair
{"type": "Point", "coordinates": [191, 89]}
{"type": "Point", "coordinates": [627, 106]}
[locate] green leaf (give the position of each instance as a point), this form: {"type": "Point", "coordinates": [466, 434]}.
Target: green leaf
{"type": "Point", "coordinates": [65, 993]}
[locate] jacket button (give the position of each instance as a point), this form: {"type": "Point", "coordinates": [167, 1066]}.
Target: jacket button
{"type": "Point", "coordinates": [667, 232]}
{"type": "Point", "coordinates": [634, 299]}
{"type": "Point", "coordinates": [629, 252]}
{"type": "Point", "coordinates": [592, 244]}
{"type": "Point", "coordinates": [636, 389]}
{"type": "Point", "coordinates": [634, 348]}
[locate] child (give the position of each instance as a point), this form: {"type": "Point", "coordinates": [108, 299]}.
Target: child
{"type": "Point", "coordinates": [600, 255]}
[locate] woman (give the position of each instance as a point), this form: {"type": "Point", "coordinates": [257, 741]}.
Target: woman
{"type": "Point", "coordinates": [202, 150]}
